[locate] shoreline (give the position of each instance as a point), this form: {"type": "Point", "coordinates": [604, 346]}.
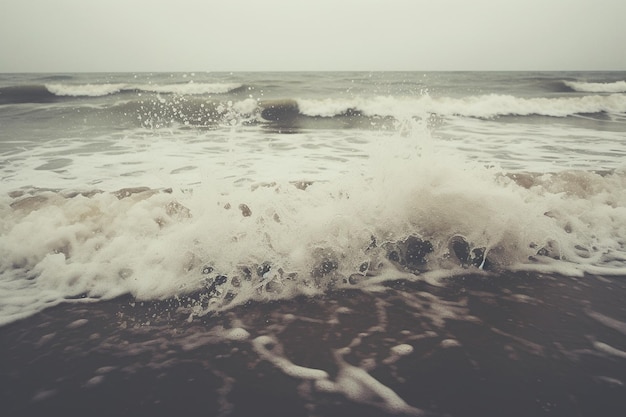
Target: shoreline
{"type": "Point", "coordinates": [513, 344]}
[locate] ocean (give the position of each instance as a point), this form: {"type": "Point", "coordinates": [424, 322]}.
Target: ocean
{"type": "Point", "coordinates": [313, 244]}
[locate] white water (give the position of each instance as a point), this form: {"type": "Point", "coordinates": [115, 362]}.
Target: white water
{"type": "Point", "coordinates": [587, 87]}
{"type": "Point", "coordinates": [483, 106]}
{"type": "Point", "coordinates": [104, 89]}
{"type": "Point", "coordinates": [234, 204]}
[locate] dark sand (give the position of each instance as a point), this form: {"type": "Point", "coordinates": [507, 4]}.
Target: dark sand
{"type": "Point", "coordinates": [499, 345]}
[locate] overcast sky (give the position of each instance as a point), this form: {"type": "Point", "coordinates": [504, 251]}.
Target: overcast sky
{"type": "Point", "coordinates": [261, 35]}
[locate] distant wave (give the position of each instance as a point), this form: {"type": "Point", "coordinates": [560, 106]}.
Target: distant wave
{"type": "Point", "coordinates": [482, 106]}
{"type": "Point", "coordinates": [367, 113]}
{"type": "Point", "coordinates": [84, 90]}
{"type": "Point", "coordinates": [50, 92]}
{"type": "Point", "coordinates": [199, 109]}
{"type": "Point", "coordinates": [193, 88]}
{"type": "Point", "coordinates": [583, 87]}
{"type": "Point", "coordinates": [97, 90]}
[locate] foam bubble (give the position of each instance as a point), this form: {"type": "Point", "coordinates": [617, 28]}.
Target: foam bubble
{"type": "Point", "coordinates": [450, 343]}
{"type": "Point", "coordinates": [237, 334]}
{"type": "Point", "coordinates": [77, 323]}
{"type": "Point", "coordinates": [402, 350]}
{"type": "Point", "coordinates": [96, 380]}
{"type": "Point", "coordinates": [397, 352]}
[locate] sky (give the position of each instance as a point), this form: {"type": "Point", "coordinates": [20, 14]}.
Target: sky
{"type": "Point", "coordinates": [311, 35]}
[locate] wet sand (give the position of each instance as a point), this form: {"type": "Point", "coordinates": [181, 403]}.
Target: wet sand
{"type": "Point", "coordinates": [497, 345]}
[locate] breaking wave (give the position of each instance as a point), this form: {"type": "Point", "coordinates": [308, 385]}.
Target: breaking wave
{"type": "Point", "coordinates": [585, 87]}
{"type": "Point", "coordinates": [426, 218]}
{"type": "Point", "coordinates": [54, 91]}
{"type": "Point", "coordinates": [367, 112]}
{"type": "Point", "coordinates": [96, 90]}
{"type": "Point", "coordinates": [84, 90]}
{"type": "Point", "coordinates": [482, 106]}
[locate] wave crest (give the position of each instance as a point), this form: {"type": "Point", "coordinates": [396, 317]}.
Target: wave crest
{"type": "Point", "coordinates": [585, 87]}
{"type": "Point", "coordinates": [483, 106]}
{"type": "Point", "coordinates": [84, 90]}
{"type": "Point", "coordinates": [99, 90]}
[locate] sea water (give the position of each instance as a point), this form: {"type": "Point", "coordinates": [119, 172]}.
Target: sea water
{"type": "Point", "coordinates": [368, 237]}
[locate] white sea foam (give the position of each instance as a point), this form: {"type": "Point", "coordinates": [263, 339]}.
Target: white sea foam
{"type": "Point", "coordinates": [265, 345]}
{"type": "Point", "coordinates": [483, 106]}
{"type": "Point", "coordinates": [359, 386]}
{"type": "Point", "coordinates": [610, 322]}
{"type": "Point", "coordinates": [450, 343]}
{"type": "Point", "coordinates": [397, 352]}
{"type": "Point", "coordinates": [402, 350]}
{"type": "Point", "coordinates": [351, 381]}
{"type": "Point", "coordinates": [155, 244]}
{"type": "Point", "coordinates": [237, 334]}
{"type": "Point", "coordinates": [85, 90]}
{"type": "Point", "coordinates": [104, 89]}
{"type": "Point", "coordinates": [609, 350]}
{"type": "Point", "coordinates": [586, 87]}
